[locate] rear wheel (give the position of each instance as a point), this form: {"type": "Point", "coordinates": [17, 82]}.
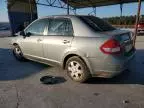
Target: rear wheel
{"type": "Point", "coordinates": [18, 53]}
{"type": "Point", "coordinates": [77, 69]}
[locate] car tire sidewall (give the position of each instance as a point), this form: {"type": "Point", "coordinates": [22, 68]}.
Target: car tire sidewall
{"type": "Point", "coordinates": [86, 74]}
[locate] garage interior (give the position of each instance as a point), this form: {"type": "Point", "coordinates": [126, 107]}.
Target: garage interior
{"type": "Point", "coordinates": [22, 13]}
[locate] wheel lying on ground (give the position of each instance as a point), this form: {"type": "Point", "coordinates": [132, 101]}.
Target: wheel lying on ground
{"type": "Point", "coordinates": [77, 69]}
{"type": "Point", "coordinates": [18, 53]}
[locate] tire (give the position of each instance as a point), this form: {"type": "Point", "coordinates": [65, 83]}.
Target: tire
{"type": "Point", "coordinates": [18, 53]}
{"type": "Point", "coordinates": [77, 69]}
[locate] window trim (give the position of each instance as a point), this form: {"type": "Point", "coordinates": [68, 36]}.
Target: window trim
{"type": "Point", "coordinates": [60, 35]}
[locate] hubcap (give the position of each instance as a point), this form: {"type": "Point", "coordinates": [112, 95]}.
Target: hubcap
{"type": "Point", "coordinates": [17, 52]}
{"type": "Point", "coordinates": [75, 70]}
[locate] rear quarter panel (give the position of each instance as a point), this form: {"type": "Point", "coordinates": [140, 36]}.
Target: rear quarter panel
{"type": "Point", "coordinates": [89, 47]}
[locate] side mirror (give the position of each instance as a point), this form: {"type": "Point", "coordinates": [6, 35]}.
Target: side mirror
{"type": "Point", "coordinates": [28, 34]}
{"type": "Point", "coordinates": [22, 33]}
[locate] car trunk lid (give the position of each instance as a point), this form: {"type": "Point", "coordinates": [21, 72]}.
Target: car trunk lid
{"type": "Point", "coordinates": [124, 38]}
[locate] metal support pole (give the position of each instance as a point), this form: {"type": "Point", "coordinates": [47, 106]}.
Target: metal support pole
{"type": "Point", "coordinates": [94, 11]}
{"type": "Point", "coordinates": [137, 20]}
{"type": "Point", "coordinates": [121, 9]}
{"type": "Point", "coordinates": [30, 7]}
{"type": "Point", "coordinates": [68, 7]}
{"type": "Point", "coordinates": [75, 11]}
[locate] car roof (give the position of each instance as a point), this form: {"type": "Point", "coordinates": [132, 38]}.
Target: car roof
{"type": "Point", "coordinates": [62, 16]}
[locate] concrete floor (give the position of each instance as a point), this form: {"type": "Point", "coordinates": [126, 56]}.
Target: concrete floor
{"type": "Point", "coordinates": [20, 85]}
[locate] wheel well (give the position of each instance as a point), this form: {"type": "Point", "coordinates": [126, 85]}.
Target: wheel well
{"type": "Point", "coordinates": [69, 56]}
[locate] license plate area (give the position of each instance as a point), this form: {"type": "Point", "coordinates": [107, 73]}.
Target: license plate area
{"type": "Point", "coordinates": [125, 38]}
{"type": "Point", "coordinates": [128, 47]}
{"type": "Point", "coordinates": [126, 42]}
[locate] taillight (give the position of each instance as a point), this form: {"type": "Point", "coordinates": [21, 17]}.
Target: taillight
{"type": "Point", "coordinates": [111, 47]}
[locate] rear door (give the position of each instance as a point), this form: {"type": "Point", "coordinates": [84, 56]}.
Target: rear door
{"type": "Point", "coordinates": [58, 39]}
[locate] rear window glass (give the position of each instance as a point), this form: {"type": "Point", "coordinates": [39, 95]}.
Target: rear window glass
{"type": "Point", "coordinates": [96, 24]}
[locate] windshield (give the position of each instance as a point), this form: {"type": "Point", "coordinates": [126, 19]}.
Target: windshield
{"type": "Point", "coordinates": [96, 24]}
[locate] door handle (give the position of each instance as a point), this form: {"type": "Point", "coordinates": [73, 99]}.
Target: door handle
{"type": "Point", "coordinates": [39, 40]}
{"type": "Point", "coordinates": [66, 41]}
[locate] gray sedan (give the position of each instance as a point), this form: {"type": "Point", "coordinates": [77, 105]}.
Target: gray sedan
{"type": "Point", "coordinates": [85, 46]}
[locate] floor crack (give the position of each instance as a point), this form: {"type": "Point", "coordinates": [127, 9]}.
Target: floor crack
{"type": "Point", "coordinates": [17, 95]}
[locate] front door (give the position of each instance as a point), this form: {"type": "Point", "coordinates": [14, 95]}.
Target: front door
{"type": "Point", "coordinates": [32, 44]}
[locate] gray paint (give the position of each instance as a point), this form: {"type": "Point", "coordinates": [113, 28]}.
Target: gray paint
{"type": "Point", "coordinates": [85, 43]}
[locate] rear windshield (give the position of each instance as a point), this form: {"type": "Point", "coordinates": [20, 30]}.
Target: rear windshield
{"type": "Point", "coordinates": [96, 24]}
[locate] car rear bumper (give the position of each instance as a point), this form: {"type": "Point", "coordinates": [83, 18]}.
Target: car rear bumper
{"type": "Point", "coordinates": [110, 69]}
{"type": "Point", "coordinates": [140, 30]}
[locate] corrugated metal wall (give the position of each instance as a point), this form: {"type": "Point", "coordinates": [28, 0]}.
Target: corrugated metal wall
{"type": "Point", "coordinates": [21, 13]}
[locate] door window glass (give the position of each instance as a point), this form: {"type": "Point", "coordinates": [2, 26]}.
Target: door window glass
{"type": "Point", "coordinates": [60, 27]}
{"type": "Point", "coordinates": [37, 28]}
